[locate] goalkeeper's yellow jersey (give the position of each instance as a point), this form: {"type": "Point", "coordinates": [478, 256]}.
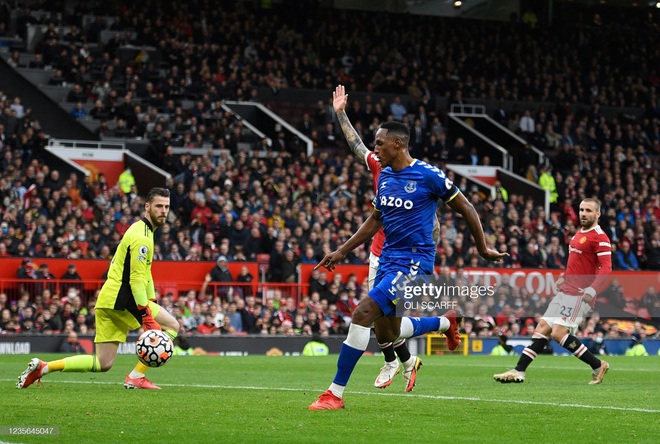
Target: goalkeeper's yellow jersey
{"type": "Point", "coordinates": [129, 282]}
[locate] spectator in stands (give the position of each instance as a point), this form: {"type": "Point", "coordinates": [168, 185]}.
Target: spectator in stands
{"type": "Point", "coordinates": [597, 345]}
{"type": "Point", "coordinates": [27, 270]}
{"type": "Point", "coordinates": [71, 345]}
{"type": "Point", "coordinates": [99, 112]}
{"type": "Point", "coordinates": [126, 180]}
{"type": "Point", "coordinates": [194, 319]}
{"type": "Point", "coordinates": [636, 347]}
{"type": "Point", "coordinates": [530, 256]}
{"type": "Point", "coordinates": [44, 273]}
{"type": "Point", "coordinates": [71, 274]}
{"type": "Point", "coordinates": [76, 94]}
{"type": "Point", "coordinates": [78, 111]}
{"type": "Point", "coordinates": [555, 260]}
{"type": "Point", "coordinates": [233, 318]}
{"type": "Point", "coordinates": [398, 109]}
{"type": "Point", "coordinates": [275, 270]}
{"type": "Point", "coordinates": [548, 183]}
{"type": "Point", "coordinates": [220, 273]}
{"type": "Point", "coordinates": [208, 327]}
{"type": "Point", "coordinates": [653, 252]}
{"type": "Point", "coordinates": [290, 267]}
{"type": "Point", "coordinates": [245, 277]}
{"type": "Point", "coordinates": [625, 259]}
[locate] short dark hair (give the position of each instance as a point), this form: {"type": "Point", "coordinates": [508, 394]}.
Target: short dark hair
{"type": "Point", "coordinates": [157, 191]}
{"type": "Point", "coordinates": [397, 129]}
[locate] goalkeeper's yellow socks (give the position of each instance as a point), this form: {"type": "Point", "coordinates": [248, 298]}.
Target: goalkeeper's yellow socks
{"type": "Point", "coordinates": [139, 371]}
{"type": "Point", "coordinates": [80, 364]}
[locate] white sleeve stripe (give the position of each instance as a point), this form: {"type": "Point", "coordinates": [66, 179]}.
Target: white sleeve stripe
{"type": "Point", "coordinates": [604, 253]}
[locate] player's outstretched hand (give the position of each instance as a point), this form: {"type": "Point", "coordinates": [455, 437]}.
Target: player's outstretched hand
{"type": "Point", "coordinates": [330, 260]}
{"type": "Point", "coordinates": [339, 99]}
{"type": "Point", "coordinates": [493, 255]}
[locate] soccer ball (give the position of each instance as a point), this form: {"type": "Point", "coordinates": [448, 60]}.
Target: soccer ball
{"type": "Point", "coordinates": [154, 348]}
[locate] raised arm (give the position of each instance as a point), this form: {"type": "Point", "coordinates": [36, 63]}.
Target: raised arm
{"type": "Point", "coordinates": [339, 101]}
{"type": "Point", "coordinates": [461, 205]}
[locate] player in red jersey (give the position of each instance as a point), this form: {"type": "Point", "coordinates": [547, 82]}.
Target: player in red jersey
{"type": "Point", "coordinates": [410, 362]}
{"type": "Point", "coordinates": [589, 264]}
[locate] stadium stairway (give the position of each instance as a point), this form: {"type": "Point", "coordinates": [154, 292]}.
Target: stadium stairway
{"type": "Point", "coordinates": [55, 121]}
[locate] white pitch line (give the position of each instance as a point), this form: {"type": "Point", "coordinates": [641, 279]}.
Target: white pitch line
{"type": "Point", "coordinates": [374, 393]}
{"type": "Point", "coordinates": [535, 365]}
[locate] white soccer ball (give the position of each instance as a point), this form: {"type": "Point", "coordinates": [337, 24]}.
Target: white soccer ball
{"type": "Point", "coordinates": [154, 348]}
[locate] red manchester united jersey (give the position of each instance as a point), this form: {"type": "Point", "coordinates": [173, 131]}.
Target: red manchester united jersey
{"type": "Point", "coordinates": [374, 166]}
{"type": "Point", "coordinates": [589, 260]}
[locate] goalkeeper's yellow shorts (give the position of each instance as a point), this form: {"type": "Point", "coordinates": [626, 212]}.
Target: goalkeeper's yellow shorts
{"type": "Point", "coordinates": [114, 325]}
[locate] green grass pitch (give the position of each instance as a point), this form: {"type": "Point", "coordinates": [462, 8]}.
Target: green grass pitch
{"type": "Point", "coordinates": [255, 399]}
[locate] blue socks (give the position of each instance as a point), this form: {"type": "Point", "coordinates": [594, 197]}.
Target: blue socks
{"type": "Point", "coordinates": [424, 325]}
{"type": "Point", "coordinates": [348, 359]}
{"type": "Point", "coordinates": [351, 350]}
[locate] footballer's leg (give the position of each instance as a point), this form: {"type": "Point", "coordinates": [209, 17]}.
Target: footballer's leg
{"type": "Point", "coordinates": [411, 363]}
{"type": "Point", "coordinates": [110, 330]}
{"type": "Point", "coordinates": [168, 322]}
{"type": "Point", "coordinates": [390, 327]}
{"type": "Point", "coordinates": [391, 368]}
{"type": "Point", "coordinates": [448, 324]}
{"type": "Point", "coordinates": [37, 368]}
{"type": "Point", "coordinates": [566, 339]}
{"type": "Point", "coordinates": [539, 340]}
{"type": "Point", "coordinates": [137, 379]}
{"type": "Point", "coordinates": [365, 314]}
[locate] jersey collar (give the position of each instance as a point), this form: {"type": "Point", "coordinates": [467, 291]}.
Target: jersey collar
{"type": "Point", "coordinates": [146, 221]}
{"type": "Point", "coordinates": [586, 231]}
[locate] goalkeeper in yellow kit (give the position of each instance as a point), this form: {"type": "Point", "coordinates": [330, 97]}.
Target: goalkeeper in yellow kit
{"type": "Point", "coordinates": [125, 302]}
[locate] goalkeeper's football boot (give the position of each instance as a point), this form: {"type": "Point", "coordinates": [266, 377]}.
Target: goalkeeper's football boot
{"type": "Point", "coordinates": [32, 373]}
{"type": "Point", "coordinates": [139, 383]}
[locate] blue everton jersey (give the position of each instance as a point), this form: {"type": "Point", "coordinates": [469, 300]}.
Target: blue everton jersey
{"type": "Point", "coordinates": [407, 201]}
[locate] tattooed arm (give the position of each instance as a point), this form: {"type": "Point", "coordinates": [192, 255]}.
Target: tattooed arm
{"type": "Point", "coordinates": [436, 231]}
{"type": "Point", "coordinates": [339, 101]}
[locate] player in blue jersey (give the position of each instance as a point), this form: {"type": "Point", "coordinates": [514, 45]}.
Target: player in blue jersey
{"type": "Point", "coordinates": [405, 205]}
{"type": "Point", "coordinates": [410, 364]}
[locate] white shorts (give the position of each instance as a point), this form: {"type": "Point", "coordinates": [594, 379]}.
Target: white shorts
{"type": "Point", "coordinates": [567, 311]}
{"type": "Point", "coordinates": [373, 269]}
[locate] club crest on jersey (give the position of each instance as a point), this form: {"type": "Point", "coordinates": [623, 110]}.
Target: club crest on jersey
{"type": "Point", "coordinates": [411, 186]}
{"type": "Point", "coordinates": [583, 240]}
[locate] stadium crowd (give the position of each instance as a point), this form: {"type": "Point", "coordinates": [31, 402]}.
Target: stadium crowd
{"type": "Point", "coordinates": [296, 208]}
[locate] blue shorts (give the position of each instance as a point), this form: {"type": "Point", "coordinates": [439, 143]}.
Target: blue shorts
{"type": "Point", "coordinates": [391, 278]}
